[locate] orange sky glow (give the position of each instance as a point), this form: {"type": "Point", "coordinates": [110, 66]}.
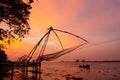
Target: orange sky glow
{"type": "Point", "coordinates": [96, 21]}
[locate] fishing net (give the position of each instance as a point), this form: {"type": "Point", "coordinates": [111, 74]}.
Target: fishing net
{"type": "Point", "coordinates": [52, 56]}
{"type": "Point", "coordinates": [56, 55]}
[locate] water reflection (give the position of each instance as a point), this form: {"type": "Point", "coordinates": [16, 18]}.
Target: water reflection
{"type": "Point", "coordinates": [72, 71]}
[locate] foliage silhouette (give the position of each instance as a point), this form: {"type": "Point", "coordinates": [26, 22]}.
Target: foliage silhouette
{"type": "Point", "coordinates": [3, 56]}
{"type": "Point", "coordinates": [15, 14]}
{"type": "Point", "coordinates": [3, 65]}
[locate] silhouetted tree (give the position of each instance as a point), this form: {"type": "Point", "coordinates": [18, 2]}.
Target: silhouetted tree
{"type": "Point", "coordinates": [3, 67]}
{"type": "Point", "coordinates": [14, 13]}
{"type": "Point", "coordinates": [3, 56]}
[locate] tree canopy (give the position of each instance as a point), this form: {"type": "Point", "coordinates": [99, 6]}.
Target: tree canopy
{"type": "Point", "coordinates": [15, 14]}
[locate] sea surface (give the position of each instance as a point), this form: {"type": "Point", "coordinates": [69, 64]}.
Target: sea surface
{"type": "Point", "coordinates": [60, 70]}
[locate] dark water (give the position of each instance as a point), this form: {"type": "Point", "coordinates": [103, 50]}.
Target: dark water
{"type": "Point", "coordinates": [58, 71]}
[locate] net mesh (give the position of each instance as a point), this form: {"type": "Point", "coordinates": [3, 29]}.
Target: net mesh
{"type": "Point", "coordinates": [53, 56]}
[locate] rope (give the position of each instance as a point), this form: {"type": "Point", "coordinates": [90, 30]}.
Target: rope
{"type": "Point", "coordinates": [71, 34]}
{"type": "Point", "coordinates": [34, 49]}
{"type": "Point", "coordinates": [58, 39]}
{"type": "Point", "coordinates": [43, 48]}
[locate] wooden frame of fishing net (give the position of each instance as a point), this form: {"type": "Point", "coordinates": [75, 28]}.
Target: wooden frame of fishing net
{"type": "Point", "coordinates": [57, 54]}
{"type": "Point", "coordinates": [54, 55]}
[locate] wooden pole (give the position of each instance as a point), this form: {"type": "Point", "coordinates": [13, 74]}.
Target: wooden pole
{"type": "Point", "coordinates": [26, 71]}
{"type": "Point", "coordinates": [40, 70]}
{"type": "Point", "coordinates": [12, 69]}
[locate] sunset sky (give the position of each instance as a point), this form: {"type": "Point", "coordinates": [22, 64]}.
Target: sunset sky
{"type": "Point", "coordinates": [98, 21]}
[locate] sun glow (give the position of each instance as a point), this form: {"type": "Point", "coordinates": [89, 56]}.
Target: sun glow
{"type": "Point", "coordinates": [9, 42]}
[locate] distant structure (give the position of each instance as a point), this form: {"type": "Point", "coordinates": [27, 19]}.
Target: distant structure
{"type": "Point", "coordinates": [83, 60]}
{"type": "Point", "coordinates": [85, 66]}
{"type": "Point", "coordinates": [77, 60]}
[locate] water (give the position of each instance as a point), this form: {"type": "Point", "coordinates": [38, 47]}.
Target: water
{"type": "Point", "coordinates": [59, 70]}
